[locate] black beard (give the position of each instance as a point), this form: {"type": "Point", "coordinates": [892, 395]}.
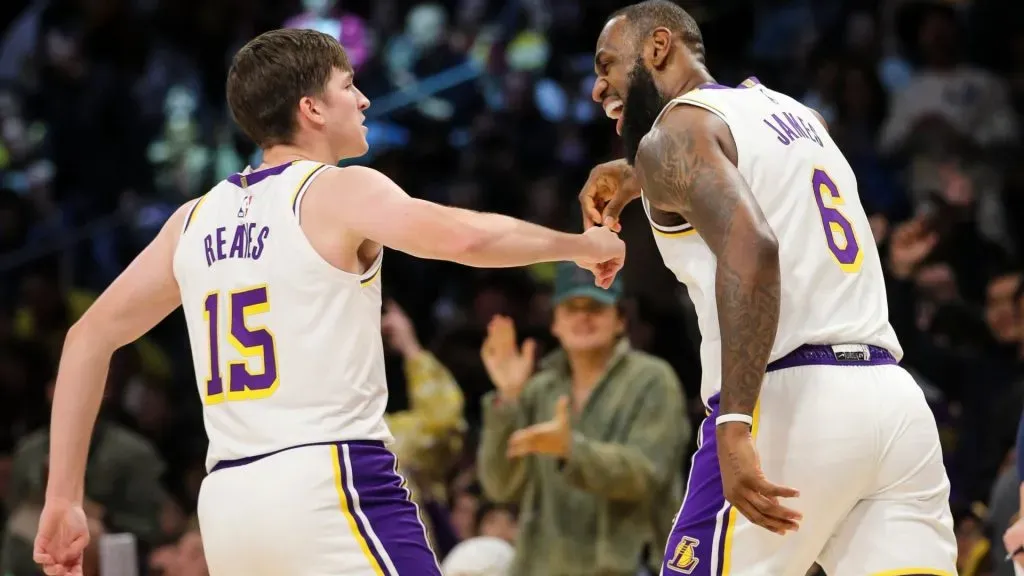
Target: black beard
{"type": "Point", "coordinates": [643, 105]}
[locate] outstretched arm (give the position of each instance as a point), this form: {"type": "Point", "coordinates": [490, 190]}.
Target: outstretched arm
{"type": "Point", "coordinates": [683, 167]}
{"type": "Point", "coordinates": [143, 295]}
{"type": "Point", "coordinates": [371, 205]}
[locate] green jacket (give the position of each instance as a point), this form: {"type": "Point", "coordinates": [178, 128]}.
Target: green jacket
{"type": "Point", "coordinates": [123, 476]}
{"type": "Point", "coordinates": [621, 484]}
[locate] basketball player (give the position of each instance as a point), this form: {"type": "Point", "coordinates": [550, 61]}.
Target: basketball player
{"type": "Point", "coordinates": [755, 210]}
{"type": "Point", "coordinates": [278, 271]}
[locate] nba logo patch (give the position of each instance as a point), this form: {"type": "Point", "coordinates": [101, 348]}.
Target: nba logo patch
{"type": "Point", "coordinates": [243, 210]}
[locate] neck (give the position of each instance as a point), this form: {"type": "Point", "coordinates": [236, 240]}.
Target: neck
{"type": "Point", "coordinates": [282, 153]}
{"type": "Point", "coordinates": [587, 366]}
{"type": "Point", "coordinates": [698, 76]}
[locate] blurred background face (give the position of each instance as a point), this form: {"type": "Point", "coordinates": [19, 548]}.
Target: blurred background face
{"type": "Point", "coordinates": [463, 514]}
{"type": "Point", "coordinates": [585, 325]}
{"type": "Point", "coordinates": [936, 283]}
{"type": "Point", "coordinates": [1000, 309]}
{"type": "Point", "coordinates": [499, 523]}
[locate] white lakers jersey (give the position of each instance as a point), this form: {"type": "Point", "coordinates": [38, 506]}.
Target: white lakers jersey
{"type": "Point", "coordinates": [833, 291]}
{"type": "Point", "coordinates": [287, 348]}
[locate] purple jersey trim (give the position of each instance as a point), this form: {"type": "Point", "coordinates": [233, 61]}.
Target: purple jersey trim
{"type": "Point", "coordinates": [246, 180]}
{"type": "Point", "coordinates": [250, 459]}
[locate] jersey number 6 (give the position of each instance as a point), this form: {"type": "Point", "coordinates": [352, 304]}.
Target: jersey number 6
{"type": "Point", "coordinates": [249, 341]}
{"type": "Point", "coordinates": [839, 233]}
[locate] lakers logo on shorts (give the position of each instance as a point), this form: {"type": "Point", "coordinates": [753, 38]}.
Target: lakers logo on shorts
{"type": "Point", "coordinates": [684, 559]}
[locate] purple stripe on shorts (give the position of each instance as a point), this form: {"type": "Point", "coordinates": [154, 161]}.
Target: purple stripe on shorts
{"type": "Point", "coordinates": [244, 180]}
{"type": "Point", "coordinates": [355, 506]}
{"type": "Point", "coordinates": [691, 545]}
{"type": "Point", "coordinates": [385, 512]}
{"type": "Point", "coordinates": [825, 355]}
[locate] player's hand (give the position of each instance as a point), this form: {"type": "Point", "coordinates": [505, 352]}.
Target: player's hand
{"type": "Point", "coordinates": [744, 483]}
{"type": "Point", "coordinates": [608, 257]}
{"type": "Point", "coordinates": [398, 331]}
{"type": "Point", "coordinates": [609, 188]}
{"type": "Point", "coordinates": [62, 538]}
{"type": "Point", "coordinates": [1013, 539]}
{"type": "Point", "coordinates": [508, 365]}
{"type": "Point", "coordinates": [553, 437]}
{"type": "Point", "coordinates": [909, 244]}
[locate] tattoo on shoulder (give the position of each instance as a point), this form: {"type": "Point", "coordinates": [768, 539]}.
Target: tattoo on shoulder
{"type": "Point", "coordinates": [684, 171]}
{"type": "Point", "coordinates": [678, 175]}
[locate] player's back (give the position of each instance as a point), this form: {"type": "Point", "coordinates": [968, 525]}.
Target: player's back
{"type": "Point", "coordinates": [833, 291]}
{"type": "Point", "coordinates": [286, 348]}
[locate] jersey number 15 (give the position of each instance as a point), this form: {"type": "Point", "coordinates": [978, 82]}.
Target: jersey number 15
{"type": "Point", "coordinates": [250, 342]}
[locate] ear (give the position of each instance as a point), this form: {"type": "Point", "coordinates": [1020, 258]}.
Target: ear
{"type": "Point", "coordinates": [310, 110]}
{"type": "Point", "coordinates": [658, 47]}
{"type": "Point", "coordinates": [622, 325]}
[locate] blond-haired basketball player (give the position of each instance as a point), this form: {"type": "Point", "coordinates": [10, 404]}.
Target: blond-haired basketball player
{"type": "Point", "coordinates": [278, 271]}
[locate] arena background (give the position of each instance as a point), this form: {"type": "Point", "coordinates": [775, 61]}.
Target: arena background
{"type": "Point", "coordinates": [112, 114]}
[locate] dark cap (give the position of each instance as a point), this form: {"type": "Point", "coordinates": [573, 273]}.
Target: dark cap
{"type": "Point", "coordinates": [571, 281]}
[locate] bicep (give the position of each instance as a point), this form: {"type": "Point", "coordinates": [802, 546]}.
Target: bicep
{"type": "Point", "coordinates": [143, 295]}
{"type": "Point", "coordinates": [417, 227]}
{"type": "Point", "coordinates": [379, 210]}
{"type": "Point", "coordinates": [684, 169]}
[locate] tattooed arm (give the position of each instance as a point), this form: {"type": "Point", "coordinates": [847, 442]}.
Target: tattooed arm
{"type": "Point", "coordinates": [686, 165]}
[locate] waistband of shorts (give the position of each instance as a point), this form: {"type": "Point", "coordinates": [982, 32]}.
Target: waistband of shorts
{"type": "Point", "coordinates": [834, 355]}
{"type": "Point", "coordinates": [221, 465]}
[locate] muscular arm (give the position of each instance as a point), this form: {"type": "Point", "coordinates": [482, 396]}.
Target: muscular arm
{"type": "Point", "coordinates": [372, 206]}
{"type": "Point", "coordinates": [684, 168]}
{"type": "Point", "coordinates": [143, 295]}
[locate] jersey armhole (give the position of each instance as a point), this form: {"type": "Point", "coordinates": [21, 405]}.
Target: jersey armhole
{"type": "Point", "coordinates": [192, 212]}
{"type": "Point", "coordinates": [373, 270]}
{"type": "Point", "coordinates": [304, 184]}
{"type": "Point", "coordinates": [365, 278]}
{"type": "Point", "coordinates": [660, 229]}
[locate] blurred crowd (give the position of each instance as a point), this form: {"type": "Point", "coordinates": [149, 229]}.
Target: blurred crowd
{"type": "Point", "coordinates": [112, 114]}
